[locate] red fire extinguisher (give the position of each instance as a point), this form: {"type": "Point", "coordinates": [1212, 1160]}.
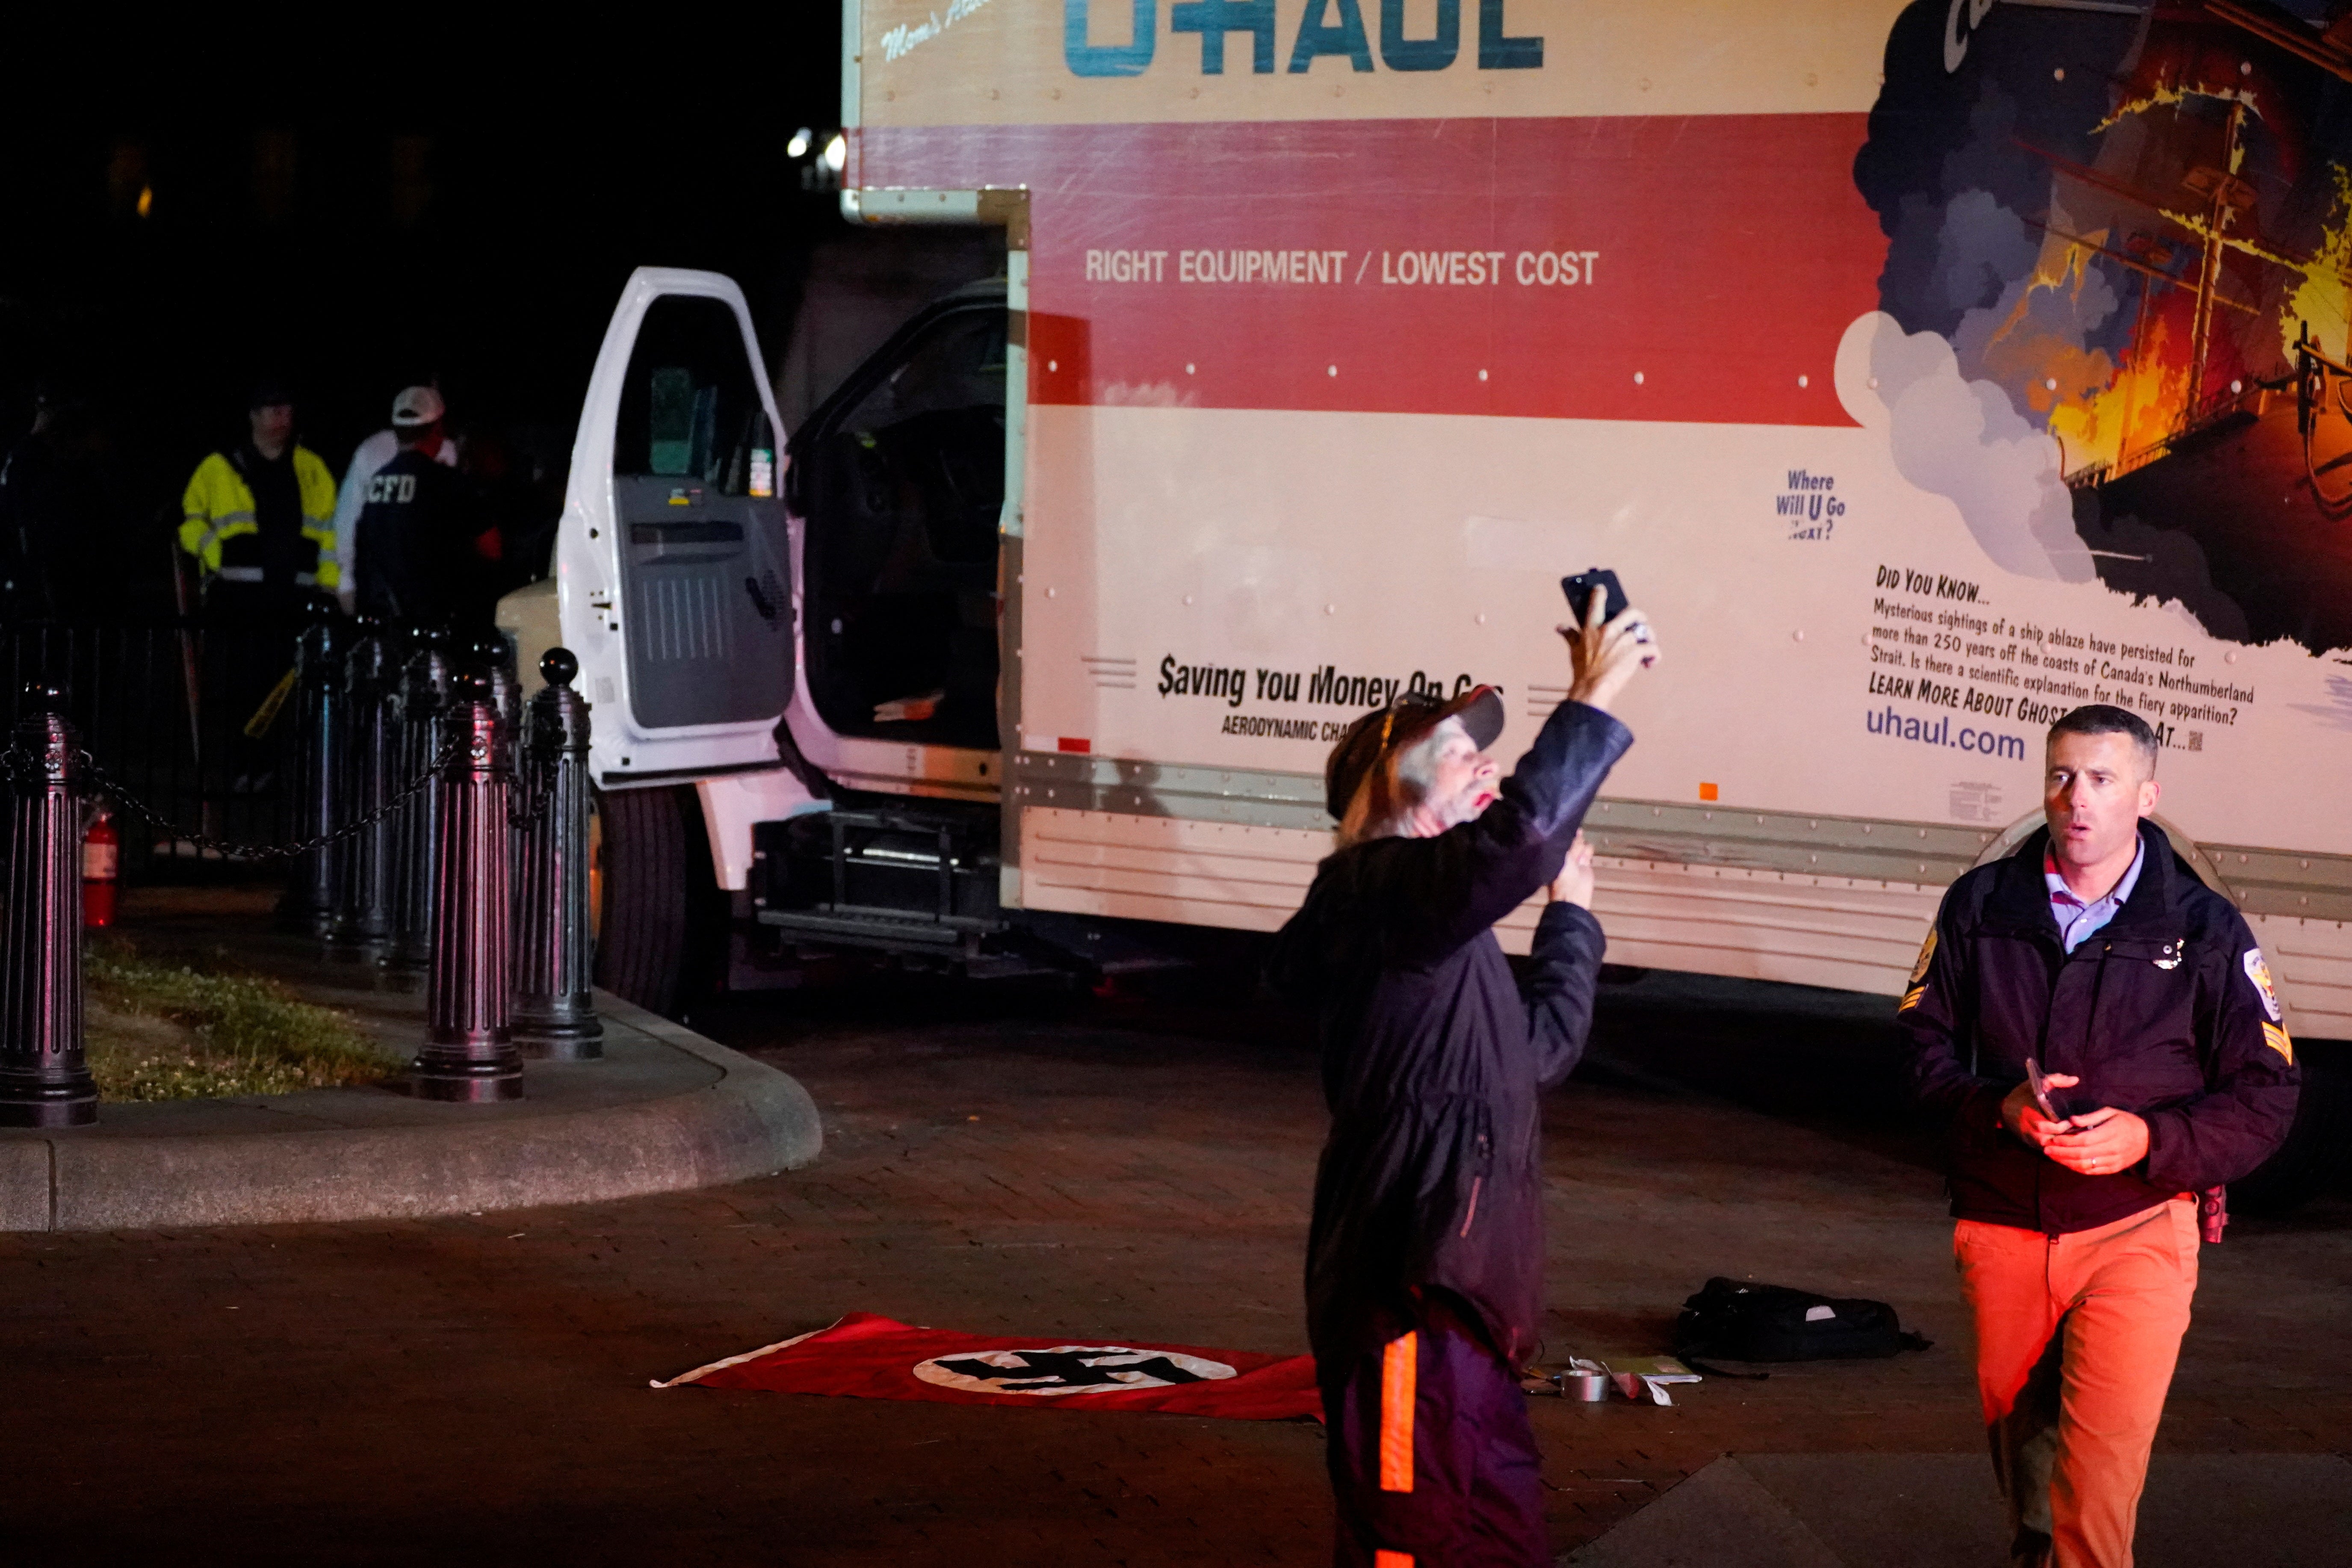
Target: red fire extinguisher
{"type": "Point", "coordinates": [101, 853]}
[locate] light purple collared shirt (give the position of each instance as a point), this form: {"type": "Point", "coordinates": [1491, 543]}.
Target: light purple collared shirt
{"type": "Point", "coordinates": [2077, 920]}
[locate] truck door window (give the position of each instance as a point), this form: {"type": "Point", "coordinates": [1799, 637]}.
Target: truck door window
{"type": "Point", "coordinates": [689, 409]}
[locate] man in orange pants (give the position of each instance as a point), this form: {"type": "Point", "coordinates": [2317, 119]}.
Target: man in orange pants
{"type": "Point", "coordinates": [2093, 951]}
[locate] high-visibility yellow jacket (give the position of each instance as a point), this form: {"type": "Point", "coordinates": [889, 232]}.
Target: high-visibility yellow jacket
{"type": "Point", "coordinates": [218, 526]}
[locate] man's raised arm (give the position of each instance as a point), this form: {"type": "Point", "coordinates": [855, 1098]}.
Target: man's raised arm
{"type": "Point", "coordinates": [1462, 881]}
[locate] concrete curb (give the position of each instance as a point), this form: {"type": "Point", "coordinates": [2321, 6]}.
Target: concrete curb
{"type": "Point", "coordinates": [750, 1121]}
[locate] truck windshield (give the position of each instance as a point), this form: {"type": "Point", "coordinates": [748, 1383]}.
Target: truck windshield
{"type": "Point", "coordinates": [936, 423]}
{"type": "Point", "coordinates": [691, 409]}
{"type": "Point", "coordinates": [960, 367]}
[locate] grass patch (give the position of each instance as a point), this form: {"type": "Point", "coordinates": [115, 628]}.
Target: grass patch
{"type": "Point", "coordinates": [159, 1031]}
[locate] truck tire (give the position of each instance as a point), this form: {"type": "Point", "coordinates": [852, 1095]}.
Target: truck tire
{"type": "Point", "coordinates": [642, 925]}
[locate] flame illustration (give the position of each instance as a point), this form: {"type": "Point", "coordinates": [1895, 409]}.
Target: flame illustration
{"type": "Point", "coordinates": [2134, 411]}
{"type": "Point", "coordinates": [2189, 356]}
{"type": "Point", "coordinates": [2222, 313]}
{"type": "Point", "coordinates": [2324, 298]}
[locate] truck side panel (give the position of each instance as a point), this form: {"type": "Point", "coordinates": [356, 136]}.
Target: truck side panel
{"type": "Point", "coordinates": [1925, 371]}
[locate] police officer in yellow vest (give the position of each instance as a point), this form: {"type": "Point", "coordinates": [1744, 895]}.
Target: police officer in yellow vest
{"type": "Point", "coordinates": [260, 517]}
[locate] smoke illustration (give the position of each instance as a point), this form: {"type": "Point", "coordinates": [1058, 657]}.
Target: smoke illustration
{"type": "Point", "coordinates": [1961, 438]}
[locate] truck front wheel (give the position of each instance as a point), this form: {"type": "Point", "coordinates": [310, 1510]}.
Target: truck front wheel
{"type": "Point", "coordinates": [657, 898]}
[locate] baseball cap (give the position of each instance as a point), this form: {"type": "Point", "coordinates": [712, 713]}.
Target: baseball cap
{"type": "Point", "coordinates": [1397, 724]}
{"type": "Point", "coordinates": [416, 405]}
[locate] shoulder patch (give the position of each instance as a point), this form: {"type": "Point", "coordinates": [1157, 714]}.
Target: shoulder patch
{"type": "Point", "coordinates": [1914, 988]}
{"type": "Point", "coordinates": [2259, 973]}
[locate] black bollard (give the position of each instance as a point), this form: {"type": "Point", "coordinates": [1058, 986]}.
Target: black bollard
{"type": "Point", "coordinates": [470, 1052]}
{"type": "Point", "coordinates": [44, 1080]}
{"type": "Point", "coordinates": [495, 658]}
{"type": "Point", "coordinates": [312, 897]}
{"type": "Point", "coordinates": [369, 859]}
{"type": "Point", "coordinates": [555, 1014]}
{"type": "Point", "coordinates": [492, 663]}
{"type": "Point", "coordinates": [424, 694]}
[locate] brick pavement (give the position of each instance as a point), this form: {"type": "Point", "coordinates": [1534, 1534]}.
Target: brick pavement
{"type": "Point", "coordinates": [474, 1388]}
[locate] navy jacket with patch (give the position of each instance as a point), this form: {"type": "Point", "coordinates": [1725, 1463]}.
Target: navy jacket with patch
{"type": "Point", "coordinates": [1433, 1055]}
{"type": "Point", "coordinates": [2165, 1012]}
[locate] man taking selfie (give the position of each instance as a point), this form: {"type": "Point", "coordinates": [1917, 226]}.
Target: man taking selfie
{"type": "Point", "coordinates": [2095, 956]}
{"type": "Point", "coordinates": [1424, 1268]}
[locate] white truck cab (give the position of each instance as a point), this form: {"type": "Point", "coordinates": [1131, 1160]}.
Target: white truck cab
{"type": "Point", "coordinates": [745, 671]}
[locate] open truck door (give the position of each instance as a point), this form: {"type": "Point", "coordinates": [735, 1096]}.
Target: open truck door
{"type": "Point", "coordinates": [673, 566]}
{"type": "Point", "coordinates": [673, 585]}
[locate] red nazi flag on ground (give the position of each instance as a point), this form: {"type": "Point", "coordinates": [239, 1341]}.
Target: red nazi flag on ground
{"type": "Point", "coordinates": [868, 1357]}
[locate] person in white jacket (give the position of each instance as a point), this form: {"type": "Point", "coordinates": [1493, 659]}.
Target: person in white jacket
{"type": "Point", "coordinates": [416, 407]}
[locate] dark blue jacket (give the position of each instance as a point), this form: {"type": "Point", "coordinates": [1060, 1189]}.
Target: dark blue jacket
{"type": "Point", "coordinates": [416, 543]}
{"type": "Point", "coordinates": [1434, 1056]}
{"type": "Point", "coordinates": [2167, 1011]}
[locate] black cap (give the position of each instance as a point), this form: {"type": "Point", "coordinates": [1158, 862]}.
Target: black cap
{"type": "Point", "coordinates": [1413, 714]}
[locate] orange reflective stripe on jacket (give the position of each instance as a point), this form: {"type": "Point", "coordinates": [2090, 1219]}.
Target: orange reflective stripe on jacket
{"type": "Point", "coordinates": [1399, 1372]}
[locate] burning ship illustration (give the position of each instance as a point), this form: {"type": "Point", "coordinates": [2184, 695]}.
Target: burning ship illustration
{"type": "Point", "coordinates": [2226, 414]}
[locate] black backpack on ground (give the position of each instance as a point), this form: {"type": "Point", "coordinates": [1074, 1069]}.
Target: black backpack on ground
{"type": "Point", "coordinates": [1740, 1320]}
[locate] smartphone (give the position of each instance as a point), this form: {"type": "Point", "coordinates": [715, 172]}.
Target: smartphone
{"type": "Point", "coordinates": [2040, 1087]}
{"type": "Point", "coordinates": [1579, 587]}
{"type": "Point", "coordinates": [1579, 590]}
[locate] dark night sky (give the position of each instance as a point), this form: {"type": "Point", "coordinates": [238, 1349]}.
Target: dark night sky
{"type": "Point", "coordinates": [381, 216]}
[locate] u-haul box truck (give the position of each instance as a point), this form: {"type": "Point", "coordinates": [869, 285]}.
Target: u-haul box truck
{"type": "Point", "coordinates": [1925, 371]}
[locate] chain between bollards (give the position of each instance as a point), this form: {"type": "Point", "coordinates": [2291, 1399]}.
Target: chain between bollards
{"type": "Point", "coordinates": [115, 791]}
